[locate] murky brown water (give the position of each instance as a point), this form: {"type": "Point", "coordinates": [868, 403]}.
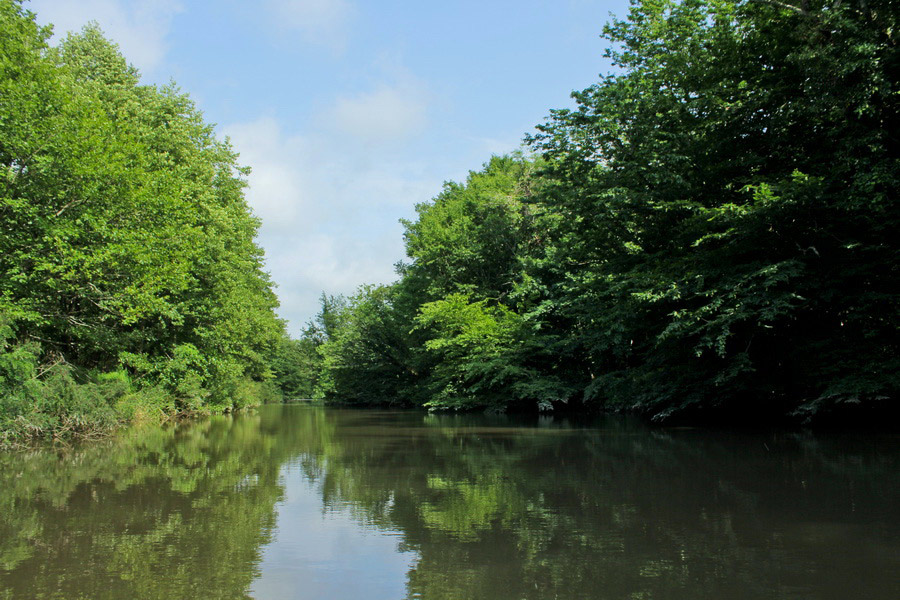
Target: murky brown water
{"type": "Point", "coordinates": [313, 503]}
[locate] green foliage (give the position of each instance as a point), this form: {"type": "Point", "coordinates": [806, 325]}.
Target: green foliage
{"type": "Point", "coordinates": [713, 227]}
{"type": "Point", "coordinates": [298, 365]}
{"type": "Point", "coordinates": [729, 203]}
{"type": "Point", "coordinates": [470, 238]}
{"type": "Point", "coordinates": [295, 367]}
{"type": "Point", "coordinates": [125, 239]}
{"type": "Point", "coordinates": [460, 329]}
{"type": "Point", "coordinates": [484, 357]}
{"type": "Point", "coordinates": [372, 358]}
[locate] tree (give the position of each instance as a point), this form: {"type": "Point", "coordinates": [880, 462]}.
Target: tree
{"type": "Point", "coordinates": [126, 239]}
{"type": "Point", "coordinates": [728, 203]}
{"type": "Point", "coordinates": [372, 358]}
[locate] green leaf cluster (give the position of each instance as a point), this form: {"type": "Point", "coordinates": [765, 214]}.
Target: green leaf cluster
{"type": "Point", "coordinates": [125, 239]}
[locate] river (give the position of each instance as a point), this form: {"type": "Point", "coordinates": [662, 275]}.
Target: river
{"type": "Point", "coordinates": [306, 502]}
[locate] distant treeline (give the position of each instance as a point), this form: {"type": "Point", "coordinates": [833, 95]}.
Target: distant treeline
{"type": "Point", "coordinates": [130, 281]}
{"type": "Point", "coordinates": [714, 229]}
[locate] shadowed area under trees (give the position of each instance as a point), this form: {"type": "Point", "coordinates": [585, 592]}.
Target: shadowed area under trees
{"type": "Point", "coordinates": [130, 281]}
{"type": "Point", "coordinates": [711, 231]}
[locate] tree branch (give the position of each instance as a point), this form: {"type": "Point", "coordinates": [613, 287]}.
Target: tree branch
{"type": "Point", "coordinates": [63, 209]}
{"type": "Point", "coordinates": [796, 9]}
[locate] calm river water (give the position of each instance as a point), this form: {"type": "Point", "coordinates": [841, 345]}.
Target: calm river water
{"type": "Point", "coordinates": [307, 502]}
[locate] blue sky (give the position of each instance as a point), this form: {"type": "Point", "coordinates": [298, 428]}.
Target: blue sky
{"type": "Point", "coordinates": [352, 111]}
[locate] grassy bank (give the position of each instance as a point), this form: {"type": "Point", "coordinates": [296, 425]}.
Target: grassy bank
{"type": "Point", "coordinates": [63, 405]}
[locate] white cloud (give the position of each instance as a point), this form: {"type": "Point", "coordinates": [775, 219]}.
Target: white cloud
{"type": "Point", "coordinates": [385, 114]}
{"type": "Point", "coordinates": [318, 21]}
{"type": "Point", "coordinates": [329, 209]}
{"type": "Point", "coordinates": [139, 27]}
{"type": "Point", "coordinates": [334, 263]}
{"type": "Point", "coordinates": [278, 193]}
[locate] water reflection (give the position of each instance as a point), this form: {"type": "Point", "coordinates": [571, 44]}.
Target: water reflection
{"type": "Point", "coordinates": [379, 504]}
{"type": "Point", "coordinates": [175, 512]}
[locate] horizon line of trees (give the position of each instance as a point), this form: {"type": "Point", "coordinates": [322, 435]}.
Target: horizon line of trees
{"type": "Point", "coordinates": [713, 229]}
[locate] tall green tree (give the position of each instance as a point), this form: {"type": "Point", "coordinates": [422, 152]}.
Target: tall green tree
{"type": "Point", "coordinates": [730, 207]}
{"type": "Point", "coordinates": [125, 238]}
{"type": "Point", "coordinates": [462, 328]}
{"type": "Point", "coordinates": [372, 357]}
{"type": "Point", "coordinates": [471, 237]}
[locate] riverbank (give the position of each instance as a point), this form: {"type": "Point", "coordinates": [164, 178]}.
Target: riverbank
{"type": "Point", "coordinates": [60, 409]}
{"type": "Point", "coordinates": [70, 412]}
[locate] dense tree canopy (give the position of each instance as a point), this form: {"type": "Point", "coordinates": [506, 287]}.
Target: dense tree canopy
{"type": "Point", "coordinates": [712, 227]}
{"type": "Point", "coordinates": [126, 241]}
{"type": "Point", "coordinates": [730, 206]}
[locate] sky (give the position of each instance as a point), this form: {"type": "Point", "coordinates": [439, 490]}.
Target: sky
{"type": "Point", "coordinates": [350, 112]}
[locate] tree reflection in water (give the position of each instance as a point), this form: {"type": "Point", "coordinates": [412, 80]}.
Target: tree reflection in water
{"type": "Point", "coordinates": [491, 507]}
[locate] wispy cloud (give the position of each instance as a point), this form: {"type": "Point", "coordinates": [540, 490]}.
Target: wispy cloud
{"type": "Point", "coordinates": [280, 192]}
{"type": "Point", "coordinates": [323, 22]}
{"type": "Point", "coordinates": [139, 27]}
{"type": "Point", "coordinates": [383, 115]}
